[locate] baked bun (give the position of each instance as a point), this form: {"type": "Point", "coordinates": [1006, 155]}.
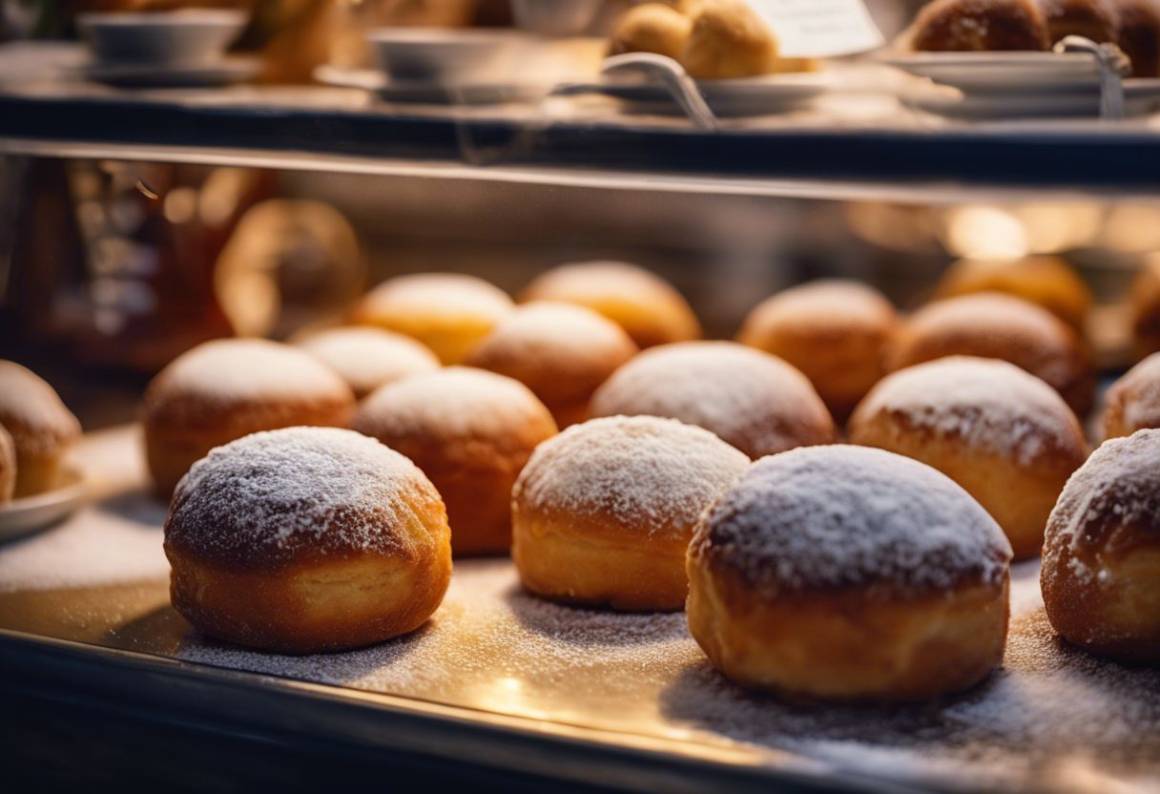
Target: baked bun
{"type": "Point", "coordinates": [367, 358]}
{"type": "Point", "coordinates": [1145, 307]}
{"type": "Point", "coordinates": [559, 351]}
{"type": "Point", "coordinates": [448, 312]}
{"type": "Point", "coordinates": [1101, 558]}
{"type": "Point", "coordinates": [643, 304]}
{"type": "Point", "coordinates": [1002, 434]}
{"type": "Point", "coordinates": [754, 401]}
{"type": "Point", "coordinates": [1046, 281]}
{"type": "Point", "coordinates": [651, 27]}
{"type": "Point", "coordinates": [226, 389]}
{"type": "Point", "coordinates": [602, 514]}
{"type": "Point", "coordinates": [1140, 35]}
{"type": "Point", "coordinates": [7, 467]}
{"type": "Point", "coordinates": [729, 39]}
{"type": "Point", "coordinates": [998, 326]}
{"type": "Point", "coordinates": [1098, 20]}
{"type": "Point", "coordinates": [471, 432]}
{"type": "Point", "coordinates": [305, 540]}
{"type": "Point", "coordinates": [1133, 402]}
{"type": "Point", "coordinates": [835, 332]}
{"type": "Point", "coordinates": [41, 427]}
{"type": "Point", "coordinates": [849, 573]}
{"type": "Point", "coordinates": [979, 26]}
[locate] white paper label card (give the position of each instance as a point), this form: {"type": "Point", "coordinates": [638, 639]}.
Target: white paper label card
{"type": "Point", "coordinates": [820, 28]}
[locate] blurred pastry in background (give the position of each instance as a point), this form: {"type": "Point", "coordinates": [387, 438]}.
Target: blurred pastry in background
{"type": "Point", "coordinates": [836, 332]}
{"type": "Point", "coordinates": [728, 39]}
{"type": "Point", "coordinates": [652, 27]}
{"type": "Point", "coordinates": [563, 353]}
{"type": "Point", "coordinates": [1133, 401]}
{"type": "Point", "coordinates": [642, 303]}
{"type": "Point", "coordinates": [1098, 20]}
{"type": "Point", "coordinates": [7, 466]}
{"type": "Point", "coordinates": [991, 325]}
{"type": "Point", "coordinates": [42, 429]}
{"type": "Point", "coordinates": [1144, 300]}
{"type": "Point", "coordinates": [1140, 35]}
{"type": "Point", "coordinates": [367, 358]}
{"type": "Point", "coordinates": [223, 390]}
{"type": "Point", "coordinates": [450, 313]}
{"type": "Point", "coordinates": [1046, 281]}
{"type": "Point", "coordinates": [978, 26]}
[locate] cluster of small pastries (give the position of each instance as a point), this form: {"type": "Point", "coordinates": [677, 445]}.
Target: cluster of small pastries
{"type": "Point", "coordinates": [40, 428]}
{"type": "Point", "coordinates": [305, 540]}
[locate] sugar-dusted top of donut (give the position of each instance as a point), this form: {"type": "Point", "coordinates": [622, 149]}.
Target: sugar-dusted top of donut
{"type": "Point", "coordinates": [276, 498]}
{"type": "Point", "coordinates": [437, 294]}
{"type": "Point", "coordinates": [367, 357]}
{"type": "Point", "coordinates": [554, 334]}
{"type": "Point", "coordinates": [828, 303]}
{"type": "Point", "coordinates": [828, 518]}
{"type": "Point", "coordinates": [32, 412]}
{"type": "Point", "coordinates": [638, 474]}
{"type": "Point", "coordinates": [753, 400]}
{"type": "Point", "coordinates": [985, 403]}
{"type": "Point", "coordinates": [600, 281]}
{"type": "Point", "coordinates": [1136, 396]}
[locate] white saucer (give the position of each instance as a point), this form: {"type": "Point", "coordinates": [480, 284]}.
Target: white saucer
{"type": "Point", "coordinates": [749, 96]}
{"type": "Point", "coordinates": [428, 92]}
{"type": "Point", "coordinates": [23, 516]}
{"type": "Point", "coordinates": [1007, 72]}
{"type": "Point", "coordinates": [132, 75]}
{"type": "Point", "coordinates": [1141, 97]}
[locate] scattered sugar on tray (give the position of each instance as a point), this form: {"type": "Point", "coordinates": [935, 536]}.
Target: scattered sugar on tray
{"type": "Point", "coordinates": [439, 293]}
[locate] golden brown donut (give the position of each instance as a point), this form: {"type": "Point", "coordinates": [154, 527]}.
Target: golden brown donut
{"type": "Point", "coordinates": [1002, 434]}
{"type": "Point", "coordinates": [643, 304]}
{"type": "Point", "coordinates": [1101, 558]}
{"type": "Point", "coordinates": [979, 25]}
{"type": "Point", "coordinates": [990, 325]}
{"type": "Point", "coordinates": [753, 400]}
{"type": "Point", "coordinates": [471, 432]}
{"type": "Point", "coordinates": [1098, 20]}
{"type": "Point", "coordinates": [651, 27]}
{"type": "Point", "coordinates": [367, 358]}
{"type": "Point", "coordinates": [307, 539]}
{"type": "Point", "coordinates": [559, 351]}
{"type": "Point", "coordinates": [7, 466]}
{"type": "Point", "coordinates": [448, 312]}
{"type": "Point", "coordinates": [41, 427]}
{"type": "Point", "coordinates": [226, 389]}
{"type": "Point", "coordinates": [1140, 35]}
{"type": "Point", "coordinates": [835, 332]}
{"type": "Point", "coordinates": [728, 39]}
{"type": "Point", "coordinates": [849, 573]}
{"type": "Point", "coordinates": [1133, 402]}
{"type": "Point", "coordinates": [1046, 281]}
{"type": "Point", "coordinates": [1144, 300]}
{"type": "Point", "coordinates": [602, 514]}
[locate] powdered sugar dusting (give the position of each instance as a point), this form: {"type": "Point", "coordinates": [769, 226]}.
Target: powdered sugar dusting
{"type": "Point", "coordinates": [986, 403]}
{"type": "Point", "coordinates": [1137, 395]}
{"type": "Point", "coordinates": [31, 410]}
{"type": "Point", "coordinates": [584, 281]}
{"type": "Point", "coordinates": [264, 497]}
{"type": "Point", "coordinates": [754, 401]}
{"type": "Point", "coordinates": [847, 516]}
{"type": "Point", "coordinates": [551, 333]}
{"type": "Point", "coordinates": [367, 358]}
{"type": "Point", "coordinates": [643, 471]}
{"type": "Point", "coordinates": [446, 294]}
{"type": "Point", "coordinates": [826, 303]}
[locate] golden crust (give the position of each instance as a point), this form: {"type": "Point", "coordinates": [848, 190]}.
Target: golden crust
{"type": "Point", "coordinates": [1145, 306]}
{"type": "Point", "coordinates": [728, 39]}
{"type": "Point", "coordinates": [1046, 281]}
{"type": "Point", "coordinates": [7, 466]}
{"type": "Point", "coordinates": [651, 27]}
{"type": "Point", "coordinates": [41, 428]}
{"type": "Point", "coordinates": [1133, 402]}
{"type": "Point", "coordinates": [979, 25]}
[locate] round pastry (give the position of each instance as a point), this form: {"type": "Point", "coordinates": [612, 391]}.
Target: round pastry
{"type": "Point", "coordinates": [754, 401]}
{"type": "Point", "coordinates": [305, 540]}
{"type": "Point", "coordinates": [602, 514]}
{"type": "Point", "coordinates": [1098, 20]}
{"type": "Point", "coordinates": [1101, 558]}
{"type": "Point", "coordinates": [559, 351]}
{"type": "Point", "coordinates": [41, 427]}
{"type": "Point", "coordinates": [1140, 35]}
{"type": "Point", "coordinates": [1133, 402]}
{"type": "Point", "coordinates": [7, 466]}
{"type": "Point", "coordinates": [367, 358]}
{"type": "Point", "coordinates": [226, 389]}
{"type": "Point", "coordinates": [990, 325]}
{"type": "Point", "coordinates": [849, 573]}
{"type": "Point", "coordinates": [1145, 307]}
{"type": "Point", "coordinates": [651, 27]}
{"type": "Point", "coordinates": [728, 39]}
{"type": "Point", "coordinates": [1002, 434]}
{"type": "Point", "coordinates": [1046, 281]}
{"type": "Point", "coordinates": [644, 305]}
{"type": "Point", "coordinates": [448, 312]}
{"type": "Point", "coordinates": [835, 332]}
{"type": "Point", "coordinates": [972, 25]}
{"type": "Point", "coordinates": [471, 432]}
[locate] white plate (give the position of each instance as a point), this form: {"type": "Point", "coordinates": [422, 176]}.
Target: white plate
{"type": "Point", "coordinates": [23, 516]}
{"type": "Point", "coordinates": [1011, 72]}
{"type": "Point", "coordinates": [429, 92]}
{"type": "Point", "coordinates": [749, 96]}
{"type": "Point", "coordinates": [1141, 97]}
{"type": "Point", "coordinates": [219, 73]}
{"type": "Point", "coordinates": [185, 36]}
{"type": "Point", "coordinates": [437, 54]}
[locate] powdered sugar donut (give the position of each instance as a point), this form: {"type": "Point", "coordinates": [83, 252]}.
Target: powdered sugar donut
{"type": "Point", "coordinates": [1133, 402]}
{"type": "Point", "coordinates": [602, 514]}
{"type": "Point", "coordinates": [1101, 557]}
{"type": "Point", "coordinates": [7, 466]}
{"type": "Point", "coordinates": [41, 427]}
{"type": "Point", "coordinates": [1004, 435]}
{"type": "Point", "coordinates": [849, 573]}
{"type": "Point", "coordinates": [304, 540]}
{"type": "Point", "coordinates": [367, 358]}
{"type": "Point", "coordinates": [448, 312]}
{"type": "Point", "coordinates": [561, 352]}
{"type": "Point", "coordinates": [471, 432]}
{"type": "Point", "coordinates": [223, 390]}
{"type": "Point", "coordinates": [756, 402]}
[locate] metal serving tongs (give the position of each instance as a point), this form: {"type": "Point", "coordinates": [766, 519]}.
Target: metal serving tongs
{"type": "Point", "coordinates": [1113, 66]}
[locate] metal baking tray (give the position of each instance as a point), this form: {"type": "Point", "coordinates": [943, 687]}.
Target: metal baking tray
{"type": "Point", "coordinates": [503, 680]}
